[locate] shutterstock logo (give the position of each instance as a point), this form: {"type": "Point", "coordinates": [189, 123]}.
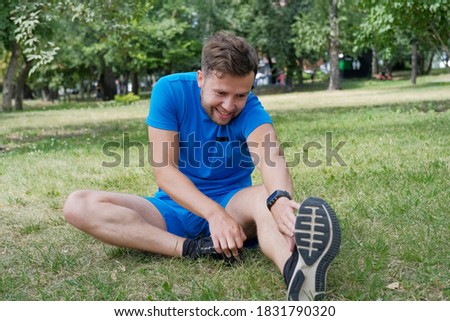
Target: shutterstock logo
{"type": "Point", "coordinates": [221, 153]}
{"type": "Point", "coordinates": [331, 152]}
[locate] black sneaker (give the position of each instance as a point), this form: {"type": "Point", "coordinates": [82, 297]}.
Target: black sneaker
{"type": "Point", "coordinates": [204, 247]}
{"type": "Point", "coordinates": [318, 238]}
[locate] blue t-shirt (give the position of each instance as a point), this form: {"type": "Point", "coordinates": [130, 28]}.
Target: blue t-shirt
{"type": "Point", "coordinates": [214, 157]}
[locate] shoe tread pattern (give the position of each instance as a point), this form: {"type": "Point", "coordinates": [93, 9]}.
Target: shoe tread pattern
{"type": "Point", "coordinates": [317, 231]}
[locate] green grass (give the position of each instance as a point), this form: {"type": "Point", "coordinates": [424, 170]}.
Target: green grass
{"type": "Point", "coordinates": [391, 199]}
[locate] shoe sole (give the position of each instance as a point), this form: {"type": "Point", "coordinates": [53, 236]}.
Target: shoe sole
{"type": "Point", "coordinates": [318, 238]}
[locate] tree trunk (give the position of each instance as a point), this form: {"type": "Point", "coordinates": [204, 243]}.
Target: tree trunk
{"type": "Point", "coordinates": [300, 66]}
{"type": "Point", "coordinates": [420, 63]}
{"type": "Point", "coordinates": [375, 66]}
{"type": "Point", "coordinates": [430, 64]}
{"type": "Point", "coordinates": [290, 75]}
{"type": "Point", "coordinates": [49, 94]}
{"type": "Point", "coordinates": [82, 89]}
{"type": "Point", "coordinates": [414, 62]}
{"type": "Point", "coordinates": [20, 84]}
{"type": "Point", "coordinates": [125, 83]}
{"type": "Point", "coordinates": [45, 94]}
{"type": "Point", "coordinates": [273, 78]}
{"type": "Point", "coordinates": [135, 83]}
{"type": "Point", "coordinates": [8, 80]}
{"type": "Point", "coordinates": [66, 94]}
{"type": "Point", "coordinates": [334, 45]}
{"type": "Point", "coordinates": [107, 84]}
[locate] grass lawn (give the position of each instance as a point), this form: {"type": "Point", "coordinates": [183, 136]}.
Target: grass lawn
{"type": "Point", "coordinates": [390, 190]}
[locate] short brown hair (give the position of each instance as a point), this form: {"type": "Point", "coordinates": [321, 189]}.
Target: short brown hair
{"type": "Point", "coordinates": [226, 53]}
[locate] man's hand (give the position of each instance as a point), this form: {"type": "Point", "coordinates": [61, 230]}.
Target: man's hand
{"type": "Point", "coordinates": [283, 213]}
{"type": "Point", "coordinates": [227, 235]}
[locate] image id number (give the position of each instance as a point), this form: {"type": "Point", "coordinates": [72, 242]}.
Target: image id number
{"type": "Point", "coordinates": [294, 310]}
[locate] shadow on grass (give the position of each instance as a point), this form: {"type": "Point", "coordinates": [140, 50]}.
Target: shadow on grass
{"type": "Point", "coordinates": [45, 139]}
{"type": "Point", "coordinates": [348, 84]}
{"type": "Point", "coordinates": [279, 90]}
{"type": "Point", "coordinates": [40, 105]}
{"type": "Point", "coordinates": [93, 137]}
{"type": "Point", "coordinates": [71, 137]}
{"type": "Point", "coordinates": [396, 82]}
{"type": "Point", "coordinates": [422, 106]}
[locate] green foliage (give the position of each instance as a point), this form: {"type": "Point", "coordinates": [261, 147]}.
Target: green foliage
{"type": "Point", "coordinates": [310, 33]}
{"type": "Point", "coordinates": [387, 21]}
{"type": "Point", "coordinates": [71, 43]}
{"type": "Point", "coordinates": [6, 25]}
{"type": "Point", "coordinates": [126, 99]}
{"type": "Point", "coordinates": [30, 33]}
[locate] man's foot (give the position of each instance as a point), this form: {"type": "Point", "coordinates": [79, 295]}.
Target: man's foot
{"type": "Point", "coordinates": [204, 247]}
{"type": "Point", "coordinates": [318, 238]}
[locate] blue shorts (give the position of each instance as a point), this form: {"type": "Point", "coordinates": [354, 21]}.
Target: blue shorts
{"type": "Point", "coordinates": [181, 222]}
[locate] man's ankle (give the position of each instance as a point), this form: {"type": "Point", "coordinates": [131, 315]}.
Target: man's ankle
{"type": "Point", "coordinates": [289, 267]}
{"type": "Point", "coordinates": [187, 249]}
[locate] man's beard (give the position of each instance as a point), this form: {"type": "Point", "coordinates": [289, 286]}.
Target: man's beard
{"type": "Point", "coordinates": [211, 112]}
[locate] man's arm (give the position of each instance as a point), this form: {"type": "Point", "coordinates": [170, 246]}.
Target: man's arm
{"type": "Point", "coordinates": [228, 236]}
{"type": "Point", "coordinates": [269, 159]}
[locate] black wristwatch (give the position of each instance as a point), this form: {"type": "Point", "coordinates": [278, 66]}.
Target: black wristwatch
{"type": "Point", "coordinates": [275, 196]}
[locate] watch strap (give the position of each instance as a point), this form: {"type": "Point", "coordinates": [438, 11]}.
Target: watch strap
{"type": "Point", "coordinates": [275, 196]}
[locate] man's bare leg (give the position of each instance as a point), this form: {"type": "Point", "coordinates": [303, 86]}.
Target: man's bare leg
{"type": "Point", "coordinates": [248, 208]}
{"type": "Point", "coordinates": [122, 220]}
{"type": "Point", "coordinates": [317, 238]}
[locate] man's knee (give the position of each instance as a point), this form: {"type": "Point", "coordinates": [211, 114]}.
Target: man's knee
{"type": "Point", "coordinates": [249, 203]}
{"type": "Point", "coordinates": [76, 208]}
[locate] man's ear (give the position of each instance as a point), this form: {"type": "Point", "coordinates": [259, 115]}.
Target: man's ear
{"type": "Point", "coordinates": [200, 79]}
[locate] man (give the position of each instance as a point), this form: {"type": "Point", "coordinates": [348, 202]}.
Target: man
{"type": "Point", "coordinates": [207, 133]}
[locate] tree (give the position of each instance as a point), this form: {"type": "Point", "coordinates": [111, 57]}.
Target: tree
{"type": "Point", "coordinates": [422, 23]}
{"type": "Point", "coordinates": [8, 41]}
{"type": "Point", "coordinates": [334, 83]}
{"type": "Point", "coordinates": [310, 32]}
{"type": "Point", "coordinates": [23, 32]}
{"type": "Point", "coordinates": [66, 40]}
{"type": "Point", "coordinates": [267, 25]}
{"type": "Point", "coordinates": [316, 32]}
{"type": "Point", "coordinates": [8, 80]}
{"type": "Point", "coordinates": [280, 35]}
{"type": "Point", "coordinates": [132, 37]}
{"type": "Point", "coordinates": [20, 83]}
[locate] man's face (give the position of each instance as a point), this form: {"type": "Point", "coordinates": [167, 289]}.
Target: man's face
{"type": "Point", "coordinates": [224, 97]}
